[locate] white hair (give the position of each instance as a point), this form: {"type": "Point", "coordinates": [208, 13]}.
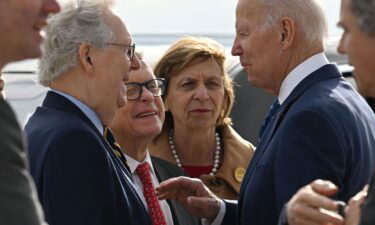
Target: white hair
{"type": "Point", "coordinates": [80, 22]}
{"type": "Point", "coordinates": [309, 16]}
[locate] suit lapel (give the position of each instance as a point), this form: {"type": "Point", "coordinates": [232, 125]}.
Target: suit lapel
{"type": "Point", "coordinates": [326, 72]}
{"type": "Point", "coordinates": [160, 174]}
{"type": "Point", "coordinates": [159, 170]}
{"type": "Point", "coordinates": [56, 101]}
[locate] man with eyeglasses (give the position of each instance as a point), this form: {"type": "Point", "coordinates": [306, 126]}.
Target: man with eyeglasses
{"type": "Point", "coordinates": [134, 127]}
{"type": "Point", "coordinates": [81, 178]}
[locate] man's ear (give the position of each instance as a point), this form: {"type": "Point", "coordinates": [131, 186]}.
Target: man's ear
{"type": "Point", "coordinates": [85, 58]}
{"type": "Point", "coordinates": [287, 30]}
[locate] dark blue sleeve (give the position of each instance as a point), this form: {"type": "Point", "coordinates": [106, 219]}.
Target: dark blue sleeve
{"type": "Point", "coordinates": [230, 217]}
{"type": "Point", "coordinates": [309, 148]}
{"type": "Point", "coordinates": [77, 181]}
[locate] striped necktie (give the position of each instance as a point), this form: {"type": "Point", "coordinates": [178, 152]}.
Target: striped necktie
{"type": "Point", "coordinates": [115, 147]}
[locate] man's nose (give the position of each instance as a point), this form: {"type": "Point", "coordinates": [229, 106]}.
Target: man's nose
{"type": "Point", "coordinates": [341, 47]}
{"type": "Point", "coordinates": [135, 63]}
{"type": "Point", "coordinates": [236, 48]}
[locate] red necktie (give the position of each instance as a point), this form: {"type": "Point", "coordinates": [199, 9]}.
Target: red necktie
{"type": "Point", "coordinates": [157, 216]}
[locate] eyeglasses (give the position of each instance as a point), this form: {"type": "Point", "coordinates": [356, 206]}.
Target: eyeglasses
{"type": "Point", "coordinates": [129, 49]}
{"type": "Point", "coordinates": [155, 86]}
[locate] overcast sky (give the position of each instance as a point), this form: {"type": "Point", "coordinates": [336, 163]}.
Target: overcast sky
{"type": "Point", "coordinates": [199, 16]}
{"type": "Point", "coordinates": [184, 16]}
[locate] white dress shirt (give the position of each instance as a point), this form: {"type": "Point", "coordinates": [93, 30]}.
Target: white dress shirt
{"type": "Point", "coordinates": [299, 73]}
{"type": "Point", "coordinates": [133, 164]}
{"type": "Point", "coordinates": [287, 86]}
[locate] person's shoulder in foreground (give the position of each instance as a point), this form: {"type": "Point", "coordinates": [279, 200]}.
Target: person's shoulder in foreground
{"type": "Point", "coordinates": [21, 23]}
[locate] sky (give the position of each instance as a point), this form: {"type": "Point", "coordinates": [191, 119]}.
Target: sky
{"type": "Point", "coordinates": [202, 16]}
{"type": "Point", "coordinates": [199, 17]}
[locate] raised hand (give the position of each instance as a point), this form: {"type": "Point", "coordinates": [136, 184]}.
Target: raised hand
{"type": "Point", "coordinates": [192, 194]}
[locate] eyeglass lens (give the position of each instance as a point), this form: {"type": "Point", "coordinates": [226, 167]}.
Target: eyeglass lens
{"type": "Point", "coordinates": [134, 90]}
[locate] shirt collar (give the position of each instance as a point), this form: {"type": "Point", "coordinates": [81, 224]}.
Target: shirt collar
{"type": "Point", "coordinates": [133, 163]}
{"type": "Point", "coordinates": [93, 117]}
{"type": "Point", "coordinates": [299, 73]}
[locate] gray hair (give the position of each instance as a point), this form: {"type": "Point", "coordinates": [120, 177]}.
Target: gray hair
{"type": "Point", "coordinates": [365, 11]}
{"type": "Point", "coordinates": [309, 13]}
{"type": "Point", "coordinates": [75, 24]}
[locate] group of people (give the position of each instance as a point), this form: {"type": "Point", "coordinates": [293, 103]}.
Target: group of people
{"type": "Point", "coordinates": [117, 142]}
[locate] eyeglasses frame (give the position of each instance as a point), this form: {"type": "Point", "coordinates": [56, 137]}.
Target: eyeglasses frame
{"type": "Point", "coordinates": [144, 84]}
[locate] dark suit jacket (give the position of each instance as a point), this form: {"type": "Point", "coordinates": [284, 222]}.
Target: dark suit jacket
{"type": "Point", "coordinates": [165, 170]}
{"type": "Point", "coordinates": [19, 204]}
{"type": "Point", "coordinates": [368, 209]}
{"type": "Point", "coordinates": [79, 179]}
{"type": "Point", "coordinates": [324, 130]}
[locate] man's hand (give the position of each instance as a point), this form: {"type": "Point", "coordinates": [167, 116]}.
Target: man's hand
{"type": "Point", "coordinates": [310, 205]}
{"type": "Point", "coordinates": [353, 210]}
{"type": "Point", "coordinates": [192, 194]}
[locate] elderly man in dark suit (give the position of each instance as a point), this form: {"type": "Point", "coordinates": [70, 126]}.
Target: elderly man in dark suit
{"type": "Point", "coordinates": [319, 126]}
{"type": "Point", "coordinates": [88, 54]}
{"type": "Point", "coordinates": [358, 42]}
{"type": "Point", "coordinates": [20, 25]}
{"type": "Point", "coordinates": [135, 125]}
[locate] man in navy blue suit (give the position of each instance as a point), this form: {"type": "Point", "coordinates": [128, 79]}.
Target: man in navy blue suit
{"type": "Point", "coordinates": [357, 18]}
{"type": "Point", "coordinates": [88, 54]}
{"type": "Point", "coordinates": [321, 128]}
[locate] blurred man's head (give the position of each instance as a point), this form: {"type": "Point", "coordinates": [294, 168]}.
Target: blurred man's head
{"type": "Point", "coordinates": [274, 36]}
{"type": "Point", "coordinates": [88, 53]}
{"type": "Point", "coordinates": [20, 25]}
{"type": "Point", "coordinates": [358, 41]}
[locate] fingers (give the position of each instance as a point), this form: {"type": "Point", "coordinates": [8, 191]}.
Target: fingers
{"type": "Point", "coordinates": [192, 194]}
{"type": "Point", "coordinates": [353, 210]}
{"type": "Point", "coordinates": [180, 186]}
{"type": "Point", "coordinates": [326, 188]}
{"type": "Point", "coordinates": [178, 182]}
{"type": "Point", "coordinates": [204, 207]}
{"type": "Point", "coordinates": [306, 214]}
{"type": "Point", "coordinates": [315, 194]}
{"type": "Point", "coordinates": [302, 221]}
{"type": "Point", "coordinates": [311, 206]}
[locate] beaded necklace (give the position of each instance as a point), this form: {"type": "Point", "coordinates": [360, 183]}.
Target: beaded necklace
{"type": "Point", "coordinates": [216, 156]}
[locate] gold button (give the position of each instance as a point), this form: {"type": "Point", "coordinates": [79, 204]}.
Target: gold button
{"type": "Point", "coordinates": [239, 173]}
